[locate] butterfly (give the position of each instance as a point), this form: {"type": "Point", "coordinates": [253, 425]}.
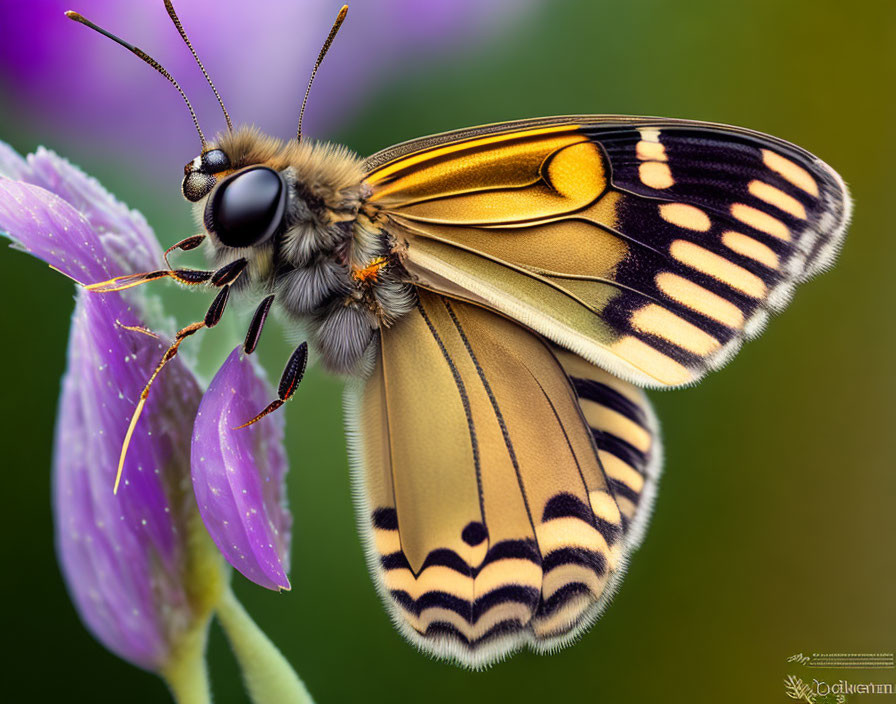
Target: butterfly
{"type": "Point", "coordinates": [499, 297]}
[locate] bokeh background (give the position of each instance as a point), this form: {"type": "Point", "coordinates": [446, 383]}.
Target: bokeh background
{"type": "Point", "coordinates": [774, 526]}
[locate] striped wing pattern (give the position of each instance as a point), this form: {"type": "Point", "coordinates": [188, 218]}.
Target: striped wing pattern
{"type": "Point", "coordinates": [652, 248]}
{"type": "Point", "coordinates": [626, 437]}
{"type": "Point", "coordinates": [501, 482]}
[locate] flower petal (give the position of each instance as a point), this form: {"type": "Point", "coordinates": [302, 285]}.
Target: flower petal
{"type": "Point", "coordinates": [124, 557]}
{"type": "Point", "coordinates": [51, 229]}
{"type": "Point", "coordinates": [140, 579]}
{"type": "Point", "coordinates": [239, 475]}
{"type": "Point", "coordinates": [11, 164]}
{"type": "Point", "coordinates": [124, 233]}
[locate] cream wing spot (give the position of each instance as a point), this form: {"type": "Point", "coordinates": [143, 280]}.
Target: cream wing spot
{"type": "Point", "coordinates": [561, 620]}
{"type": "Point", "coordinates": [569, 532]}
{"type": "Point", "coordinates": [794, 173]}
{"type": "Point", "coordinates": [655, 174]}
{"type": "Point", "coordinates": [650, 135]}
{"type": "Point", "coordinates": [561, 577]}
{"type": "Point", "coordinates": [661, 322]}
{"type": "Point", "coordinates": [651, 361]}
{"type": "Point", "coordinates": [699, 299]}
{"type": "Point", "coordinates": [778, 198]}
{"type": "Point", "coordinates": [432, 578]}
{"type": "Point", "coordinates": [386, 541]}
{"type": "Point", "coordinates": [718, 267]}
{"type": "Point", "coordinates": [604, 506]}
{"type": "Point", "coordinates": [761, 221]}
{"type": "Point", "coordinates": [508, 571]}
{"type": "Point", "coordinates": [753, 249]}
{"type": "Point", "coordinates": [627, 507]}
{"type": "Point", "coordinates": [650, 151]}
{"type": "Point", "coordinates": [689, 217]}
{"type": "Point", "coordinates": [649, 147]}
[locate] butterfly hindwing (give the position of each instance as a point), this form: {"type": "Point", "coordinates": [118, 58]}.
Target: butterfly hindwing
{"type": "Point", "coordinates": [650, 247]}
{"type": "Point", "coordinates": [626, 437]}
{"type": "Point", "coordinates": [500, 481]}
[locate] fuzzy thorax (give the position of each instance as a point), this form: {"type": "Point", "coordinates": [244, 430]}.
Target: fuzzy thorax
{"type": "Point", "coordinates": [311, 260]}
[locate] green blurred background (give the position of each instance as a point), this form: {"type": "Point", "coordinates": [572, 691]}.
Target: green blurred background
{"type": "Point", "coordinates": [774, 523]}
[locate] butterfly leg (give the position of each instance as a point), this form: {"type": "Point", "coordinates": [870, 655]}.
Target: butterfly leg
{"type": "Point", "coordinates": [137, 328]}
{"type": "Point", "coordinates": [227, 274]}
{"type": "Point", "coordinates": [212, 318]}
{"type": "Point", "coordinates": [289, 381]}
{"type": "Point", "coordinates": [185, 245]}
{"type": "Point", "coordinates": [255, 327]}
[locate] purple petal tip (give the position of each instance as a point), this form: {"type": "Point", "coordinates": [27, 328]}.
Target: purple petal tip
{"type": "Point", "coordinates": [239, 475]}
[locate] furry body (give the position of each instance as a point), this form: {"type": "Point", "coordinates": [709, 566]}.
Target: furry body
{"type": "Point", "coordinates": [330, 265]}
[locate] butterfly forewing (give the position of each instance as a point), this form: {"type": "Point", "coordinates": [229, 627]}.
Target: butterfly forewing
{"type": "Point", "coordinates": [490, 516]}
{"type": "Point", "coordinates": [652, 248]}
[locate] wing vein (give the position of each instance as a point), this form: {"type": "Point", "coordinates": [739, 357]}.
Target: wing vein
{"type": "Point", "coordinates": [465, 400]}
{"type": "Point", "coordinates": [505, 432]}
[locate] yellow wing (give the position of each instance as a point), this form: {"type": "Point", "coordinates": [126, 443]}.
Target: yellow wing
{"type": "Point", "coordinates": [650, 247]}
{"type": "Point", "coordinates": [502, 482]}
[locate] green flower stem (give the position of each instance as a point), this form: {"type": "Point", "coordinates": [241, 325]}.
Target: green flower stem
{"type": "Point", "coordinates": [186, 673]}
{"type": "Point", "coordinates": [206, 579]}
{"type": "Point", "coordinates": [268, 677]}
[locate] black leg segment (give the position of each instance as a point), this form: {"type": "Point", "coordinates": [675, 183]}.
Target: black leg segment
{"type": "Point", "coordinates": [255, 327]}
{"type": "Point", "coordinates": [292, 375]}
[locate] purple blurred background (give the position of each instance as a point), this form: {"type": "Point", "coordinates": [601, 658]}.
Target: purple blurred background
{"type": "Point", "coordinates": [61, 77]}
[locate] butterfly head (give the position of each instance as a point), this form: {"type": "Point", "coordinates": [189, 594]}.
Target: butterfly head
{"type": "Point", "coordinates": [271, 201]}
{"type": "Point", "coordinates": [241, 197]}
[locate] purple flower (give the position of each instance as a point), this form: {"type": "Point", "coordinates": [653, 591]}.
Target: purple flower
{"type": "Point", "coordinates": [238, 474]}
{"type": "Point", "coordinates": [126, 557]}
{"type": "Point", "coordinates": [139, 565]}
{"type": "Point", "coordinates": [67, 80]}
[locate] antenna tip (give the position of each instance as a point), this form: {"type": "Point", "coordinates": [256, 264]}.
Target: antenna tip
{"type": "Point", "coordinates": [72, 15]}
{"type": "Point", "coordinates": [343, 12]}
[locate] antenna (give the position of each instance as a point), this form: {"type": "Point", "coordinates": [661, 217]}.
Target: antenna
{"type": "Point", "coordinates": [340, 18]}
{"type": "Point", "coordinates": [183, 34]}
{"type": "Point", "coordinates": [142, 55]}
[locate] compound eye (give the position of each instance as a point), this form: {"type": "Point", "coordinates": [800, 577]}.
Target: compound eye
{"type": "Point", "coordinates": [197, 185]}
{"type": "Point", "coordinates": [215, 161]}
{"type": "Point", "coordinates": [198, 179]}
{"type": "Point", "coordinates": [247, 207]}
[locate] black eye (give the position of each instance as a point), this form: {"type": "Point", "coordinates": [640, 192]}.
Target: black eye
{"type": "Point", "coordinates": [247, 207]}
{"type": "Point", "coordinates": [197, 185]}
{"type": "Point", "coordinates": [214, 161]}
